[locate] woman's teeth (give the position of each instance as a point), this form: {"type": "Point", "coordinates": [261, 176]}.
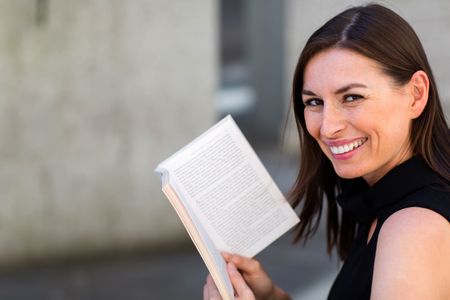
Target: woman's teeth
{"type": "Point", "coordinates": [348, 147]}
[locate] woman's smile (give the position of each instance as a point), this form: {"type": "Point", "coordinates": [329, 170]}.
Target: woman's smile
{"type": "Point", "coordinates": [342, 147]}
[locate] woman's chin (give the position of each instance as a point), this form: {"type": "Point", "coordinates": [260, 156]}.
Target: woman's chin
{"type": "Point", "coordinates": [347, 173]}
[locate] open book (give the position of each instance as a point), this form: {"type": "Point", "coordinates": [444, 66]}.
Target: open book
{"type": "Point", "coordinates": [225, 198]}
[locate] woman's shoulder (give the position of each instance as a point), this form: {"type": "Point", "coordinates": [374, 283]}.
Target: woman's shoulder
{"type": "Point", "coordinates": [412, 258]}
{"type": "Point", "coordinates": [423, 221]}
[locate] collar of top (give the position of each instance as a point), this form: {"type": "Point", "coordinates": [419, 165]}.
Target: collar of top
{"type": "Point", "coordinates": [363, 202]}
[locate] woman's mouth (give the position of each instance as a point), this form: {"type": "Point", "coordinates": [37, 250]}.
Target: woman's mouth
{"type": "Point", "coordinates": [347, 147]}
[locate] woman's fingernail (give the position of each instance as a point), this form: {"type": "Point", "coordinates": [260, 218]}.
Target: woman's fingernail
{"type": "Point", "coordinates": [232, 268]}
{"type": "Point", "coordinates": [226, 255]}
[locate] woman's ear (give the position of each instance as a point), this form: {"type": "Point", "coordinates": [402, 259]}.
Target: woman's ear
{"type": "Point", "coordinates": [419, 87]}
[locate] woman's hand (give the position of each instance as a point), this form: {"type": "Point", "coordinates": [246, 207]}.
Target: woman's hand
{"type": "Point", "coordinates": [250, 282]}
{"type": "Point", "coordinates": [256, 278]}
{"type": "Point", "coordinates": [243, 292]}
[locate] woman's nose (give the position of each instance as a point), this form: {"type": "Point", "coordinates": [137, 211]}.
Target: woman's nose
{"type": "Point", "coordinates": [333, 121]}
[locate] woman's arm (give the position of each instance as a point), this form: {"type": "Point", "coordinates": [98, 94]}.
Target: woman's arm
{"type": "Point", "coordinates": [412, 259]}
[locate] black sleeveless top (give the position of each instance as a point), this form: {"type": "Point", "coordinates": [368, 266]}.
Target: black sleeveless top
{"type": "Point", "coordinates": [411, 184]}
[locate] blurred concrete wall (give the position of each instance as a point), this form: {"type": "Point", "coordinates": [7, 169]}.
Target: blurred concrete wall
{"type": "Point", "coordinates": [93, 94]}
{"type": "Point", "coordinates": [430, 20]}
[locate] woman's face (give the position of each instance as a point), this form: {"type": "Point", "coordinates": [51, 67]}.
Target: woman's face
{"type": "Point", "coordinates": [359, 118]}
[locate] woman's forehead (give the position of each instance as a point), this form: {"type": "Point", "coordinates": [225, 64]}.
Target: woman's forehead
{"type": "Point", "coordinates": [336, 67]}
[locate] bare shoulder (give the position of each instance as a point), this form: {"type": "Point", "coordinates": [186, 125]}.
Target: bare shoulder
{"type": "Point", "coordinates": [412, 259]}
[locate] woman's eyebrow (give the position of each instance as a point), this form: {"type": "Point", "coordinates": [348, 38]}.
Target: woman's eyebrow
{"type": "Point", "coordinates": [349, 86]}
{"type": "Point", "coordinates": [338, 91]}
{"type": "Point", "coordinates": [308, 93]}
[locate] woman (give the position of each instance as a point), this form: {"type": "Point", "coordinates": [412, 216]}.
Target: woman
{"type": "Point", "coordinates": [375, 141]}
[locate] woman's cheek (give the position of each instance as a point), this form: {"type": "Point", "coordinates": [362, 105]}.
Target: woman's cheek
{"type": "Point", "coordinates": [312, 124]}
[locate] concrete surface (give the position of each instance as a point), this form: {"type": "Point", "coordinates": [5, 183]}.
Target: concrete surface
{"type": "Point", "coordinates": [93, 94]}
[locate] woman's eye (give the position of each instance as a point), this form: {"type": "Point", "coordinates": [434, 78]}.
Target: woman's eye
{"type": "Point", "coordinates": [313, 102]}
{"type": "Point", "coordinates": [351, 98]}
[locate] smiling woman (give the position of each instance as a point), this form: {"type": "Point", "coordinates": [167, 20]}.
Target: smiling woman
{"type": "Point", "coordinates": [373, 140]}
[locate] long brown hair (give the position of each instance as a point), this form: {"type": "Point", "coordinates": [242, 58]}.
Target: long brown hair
{"type": "Point", "coordinates": [379, 34]}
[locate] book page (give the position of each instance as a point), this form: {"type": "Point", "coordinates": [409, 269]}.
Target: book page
{"type": "Point", "coordinates": [212, 257]}
{"type": "Point", "coordinates": [226, 186]}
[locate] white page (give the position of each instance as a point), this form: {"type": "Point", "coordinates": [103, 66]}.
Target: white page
{"type": "Point", "coordinates": [225, 185]}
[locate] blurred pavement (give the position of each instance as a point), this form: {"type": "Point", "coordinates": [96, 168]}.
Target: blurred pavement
{"type": "Point", "coordinates": [305, 272]}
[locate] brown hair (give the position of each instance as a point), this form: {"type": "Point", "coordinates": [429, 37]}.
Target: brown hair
{"type": "Point", "coordinates": [379, 34]}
